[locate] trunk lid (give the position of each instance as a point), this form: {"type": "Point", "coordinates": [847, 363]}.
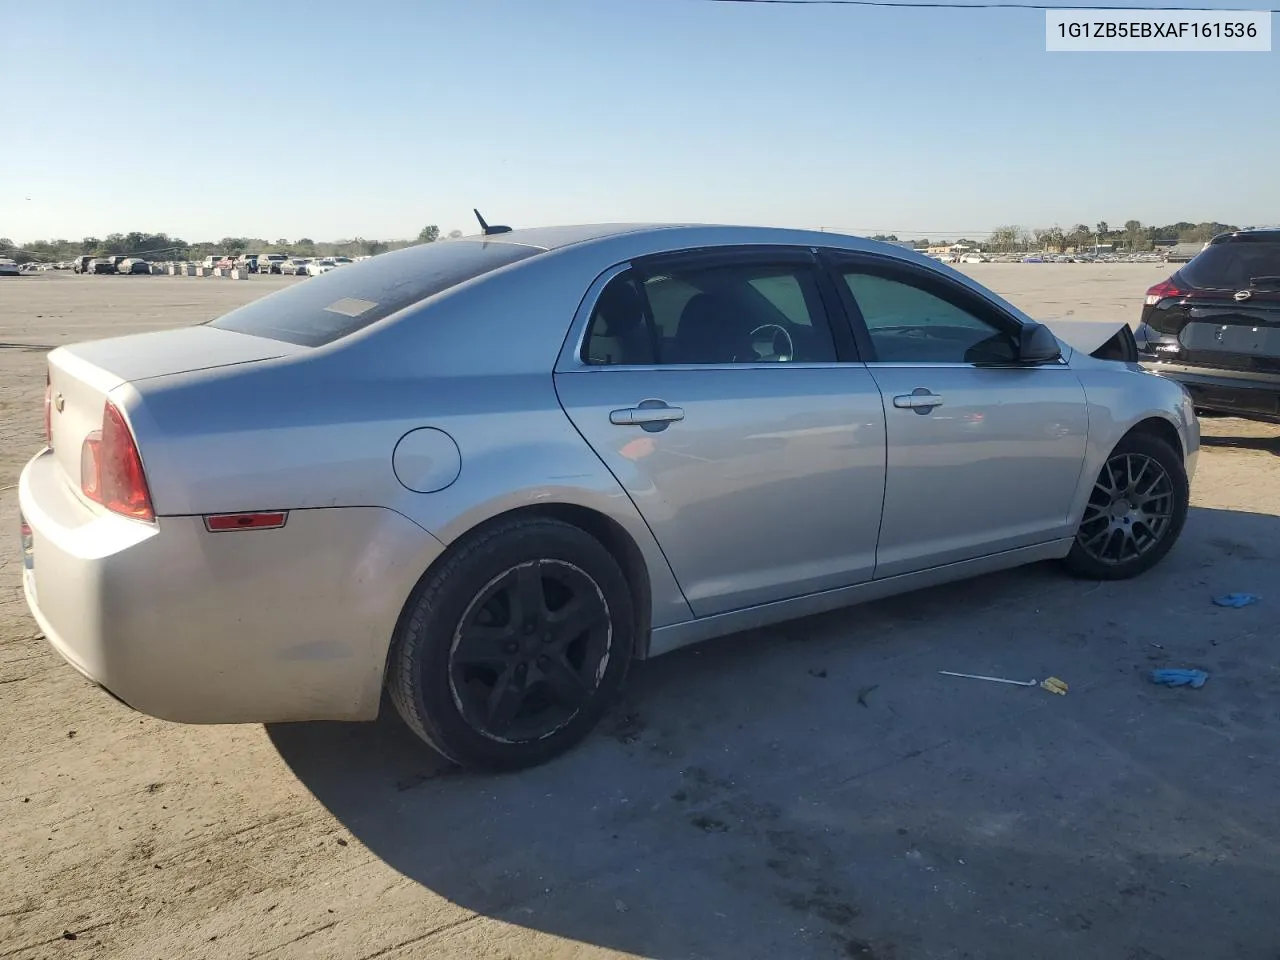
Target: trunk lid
{"type": "Point", "coordinates": [82, 375]}
{"type": "Point", "coordinates": [1231, 334]}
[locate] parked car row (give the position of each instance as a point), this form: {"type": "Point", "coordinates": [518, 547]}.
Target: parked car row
{"type": "Point", "coordinates": [979, 257]}
{"type": "Point", "coordinates": [116, 263]}
{"type": "Point", "coordinates": [88, 263]}
{"type": "Point", "coordinates": [280, 263]}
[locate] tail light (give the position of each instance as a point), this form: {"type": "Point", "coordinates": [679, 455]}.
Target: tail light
{"type": "Point", "coordinates": [1163, 291]}
{"type": "Point", "coordinates": [111, 468]}
{"type": "Point", "coordinates": [48, 410]}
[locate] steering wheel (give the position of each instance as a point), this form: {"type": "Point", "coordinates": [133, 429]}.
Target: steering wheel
{"type": "Point", "coordinates": [791, 346]}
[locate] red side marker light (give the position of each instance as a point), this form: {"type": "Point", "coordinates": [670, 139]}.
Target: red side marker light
{"type": "Point", "coordinates": [48, 410]}
{"type": "Point", "coordinates": [226, 522]}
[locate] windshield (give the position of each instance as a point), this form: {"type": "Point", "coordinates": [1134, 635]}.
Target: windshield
{"type": "Point", "coordinates": [340, 302]}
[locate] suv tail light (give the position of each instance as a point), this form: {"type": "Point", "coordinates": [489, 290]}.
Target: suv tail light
{"type": "Point", "coordinates": [111, 468]}
{"type": "Point", "coordinates": [48, 410]}
{"type": "Point", "coordinates": [1163, 291]}
{"type": "Point", "coordinates": [1169, 289]}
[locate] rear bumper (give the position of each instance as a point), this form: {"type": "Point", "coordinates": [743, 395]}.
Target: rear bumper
{"type": "Point", "coordinates": [249, 626]}
{"type": "Point", "coordinates": [1223, 391]}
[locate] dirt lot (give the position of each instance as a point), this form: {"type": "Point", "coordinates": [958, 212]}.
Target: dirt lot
{"type": "Point", "coordinates": [812, 790]}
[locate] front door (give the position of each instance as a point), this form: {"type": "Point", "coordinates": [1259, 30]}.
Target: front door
{"type": "Point", "coordinates": [984, 455]}
{"type": "Point", "coordinates": [716, 393]}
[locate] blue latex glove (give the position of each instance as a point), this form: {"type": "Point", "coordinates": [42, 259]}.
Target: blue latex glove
{"type": "Point", "coordinates": [1179, 678]}
{"type": "Point", "coordinates": [1236, 599]}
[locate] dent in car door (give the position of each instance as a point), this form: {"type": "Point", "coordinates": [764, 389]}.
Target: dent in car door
{"type": "Point", "coordinates": [760, 481]}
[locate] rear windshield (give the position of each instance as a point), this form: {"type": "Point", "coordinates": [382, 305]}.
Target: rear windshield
{"type": "Point", "coordinates": [333, 305]}
{"type": "Point", "coordinates": [1235, 265]}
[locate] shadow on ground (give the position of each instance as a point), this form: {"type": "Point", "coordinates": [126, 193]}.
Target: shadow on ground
{"type": "Point", "coordinates": [1264, 444]}
{"type": "Point", "coordinates": [817, 789]}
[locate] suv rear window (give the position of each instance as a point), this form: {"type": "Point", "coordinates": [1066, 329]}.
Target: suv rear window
{"type": "Point", "coordinates": [1233, 265]}
{"type": "Point", "coordinates": [338, 303]}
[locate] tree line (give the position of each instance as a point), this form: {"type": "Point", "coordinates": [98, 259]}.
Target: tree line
{"type": "Point", "coordinates": [1133, 236]}
{"type": "Point", "coordinates": [161, 246]}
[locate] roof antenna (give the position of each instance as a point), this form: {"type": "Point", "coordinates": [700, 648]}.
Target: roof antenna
{"type": "Point", "coordinates": [488, 230]}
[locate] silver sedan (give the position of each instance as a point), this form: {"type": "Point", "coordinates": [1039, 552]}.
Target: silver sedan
{"type": "Point", "coordinates": [488, 474]}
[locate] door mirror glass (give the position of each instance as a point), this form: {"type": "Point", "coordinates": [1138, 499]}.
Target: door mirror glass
{"type": "Point", "coordinates": [1036, 344]}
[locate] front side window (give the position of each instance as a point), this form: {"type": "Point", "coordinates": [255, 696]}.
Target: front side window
{"type": "Point", "coordinates": [909, 324]}
{"type": "Point", "coordinates": [721, 314]}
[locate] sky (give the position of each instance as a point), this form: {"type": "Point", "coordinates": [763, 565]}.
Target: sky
{"type": "Point", "coordinates": [331, 120]}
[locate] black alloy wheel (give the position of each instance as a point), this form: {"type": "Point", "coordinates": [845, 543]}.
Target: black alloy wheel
{"type": "Point", "coordinates": [1135, 512]}
{"type": "Point", "coordinates": [530, 651]}
{"type": "Point", "coordinates": [1129, 510]}
{"type": "Point", "coordinates": [513, 645]}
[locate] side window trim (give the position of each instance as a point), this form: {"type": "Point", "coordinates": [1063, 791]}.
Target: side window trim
{"type": "Point", "coordinates": [573, 350]}
{"type": "Point", "coordinates": [709, 258]}
{"type": "Point", "coordinates": [835, 262]}
{"type": "Point", "coordinates": [575, 339]}
{"type": "Point", "coordinates": [704, 258]}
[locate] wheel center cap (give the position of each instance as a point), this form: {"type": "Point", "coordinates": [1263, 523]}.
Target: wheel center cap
{"type": "Point", "coordinates": [1120, 509]}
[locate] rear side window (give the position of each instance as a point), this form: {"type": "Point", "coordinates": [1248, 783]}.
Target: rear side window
{"type": "Point", "coordinates": [336, 304]}
{"type": "Point", "coordinates": [731, 313]}
{"type": "Point", "coordinates": [1235, 265]}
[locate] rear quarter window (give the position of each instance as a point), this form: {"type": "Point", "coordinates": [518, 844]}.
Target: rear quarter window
{"type": "Point", "coordinates": [333, 305]}
{"type": "Point", "coordinates": [1233, 265]}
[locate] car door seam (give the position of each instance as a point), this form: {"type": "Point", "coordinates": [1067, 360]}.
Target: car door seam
{"type": "Point", "coordinates": [884, 484]}
{"type": "Point", "coordinates": [555, 386]}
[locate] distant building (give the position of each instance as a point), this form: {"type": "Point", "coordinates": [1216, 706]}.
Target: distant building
{"type": "Point", "coordinates": [1184, 252]}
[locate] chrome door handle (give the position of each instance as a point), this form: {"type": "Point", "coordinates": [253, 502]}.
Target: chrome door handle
{"type": "Point", "coordinates": [639, 416]}
{"type": "Point", "coordinates": [920, 400]}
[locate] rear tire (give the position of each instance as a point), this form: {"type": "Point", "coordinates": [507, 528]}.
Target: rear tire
{"type": "Point", "coordinates": [1137, 508]}
{"type": "Point", "coordinates": [510, 652]}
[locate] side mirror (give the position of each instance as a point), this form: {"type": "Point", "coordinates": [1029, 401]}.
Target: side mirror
{"type": "Point", "coordinates": [1036, 344]}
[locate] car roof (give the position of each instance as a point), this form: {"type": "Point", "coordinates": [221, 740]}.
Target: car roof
{"type": "Point", "coordinates": [1250, 235]}
{"type": "Point", "coordinates": [557, 237]}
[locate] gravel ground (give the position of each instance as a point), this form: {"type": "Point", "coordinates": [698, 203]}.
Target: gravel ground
{"type": "Point", "coordinates": [810, 790]}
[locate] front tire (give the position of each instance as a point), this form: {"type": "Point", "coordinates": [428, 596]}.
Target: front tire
{"type": "Point", "coordinates": [511, 651]}
{"type": "Point", "coordinates": [1136, 510]}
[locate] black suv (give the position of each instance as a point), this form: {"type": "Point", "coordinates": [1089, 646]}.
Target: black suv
{"type": "Point", "coordinates": [1214, 325]}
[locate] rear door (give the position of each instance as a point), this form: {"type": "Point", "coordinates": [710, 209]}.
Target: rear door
{"type": "Point", "coordinates": [743, 428]}
{"type": "Point", "coordinates": [984, 455]}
